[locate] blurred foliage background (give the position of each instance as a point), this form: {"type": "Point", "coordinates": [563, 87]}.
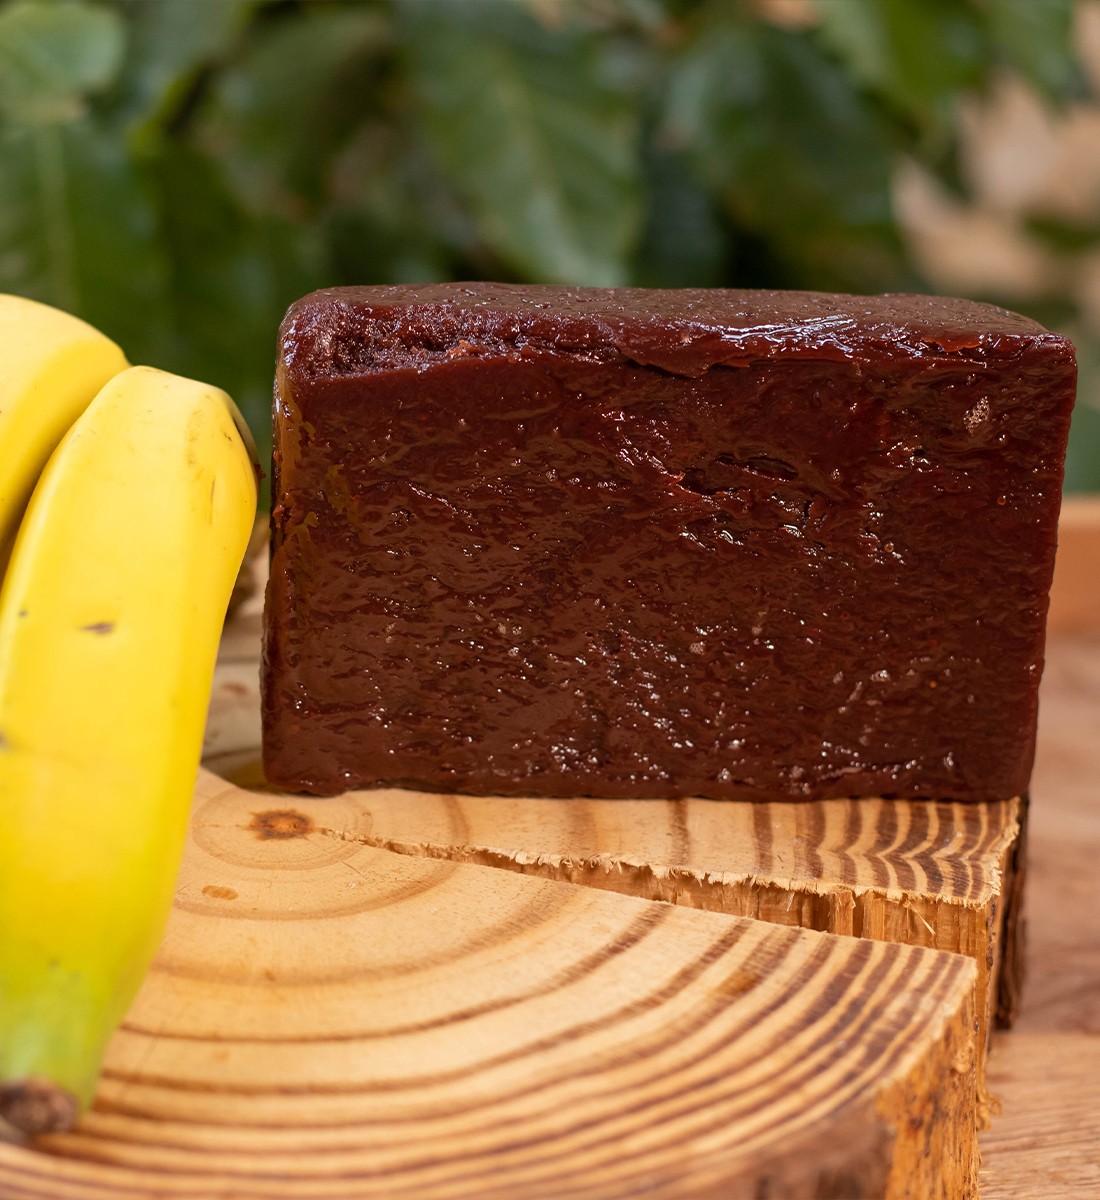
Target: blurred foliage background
{"type": "Point", "coordinates": [178, 171]}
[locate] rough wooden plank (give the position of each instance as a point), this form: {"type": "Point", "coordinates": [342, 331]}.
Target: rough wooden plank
{"type": "Point", "coordinates": [328, 1019]}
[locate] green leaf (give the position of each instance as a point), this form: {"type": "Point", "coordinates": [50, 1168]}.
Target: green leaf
{"type": "Point", "coordinates": [1036, 38]}
{"type": "Point", "coordinates": [388, 219]}
{"type": "Point", "coordinates": [77, 231]}
{"type": "Point", "coordinates": [918, 54]}
{"type": "Point", "coordinates": [801, 163]}
{"type": "Point", "coordinates": [712, 104]}
{"type": "Point", "coordinates": [1083, 454]}
{"type": "Point", "coordinates": [532, 133]}
{"type": "Point", "coordinates": [232, 276]}
{"type": "Point", "coordinates": [1064, 236]}
{"type": "Point", "coordinates": [276, 125]}
{"type": "Point", "coordinates": [684, 243]}
{"type": "Point", "coordinates": [171, 42]}
{"type": "Point", "coordinates": [54, 55]}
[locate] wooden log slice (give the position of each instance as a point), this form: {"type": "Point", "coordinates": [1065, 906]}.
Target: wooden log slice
{"type": "Point", "coordinates": [330, 1019]}
{"type": "Point", "coordinates": [942, 875]}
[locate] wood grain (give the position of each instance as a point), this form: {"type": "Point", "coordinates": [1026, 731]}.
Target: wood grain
{"type": "Point", "coordinates": [330, 1019]}
{"type": "Point", "coordinates": [1045, 1142]}
{"type": "Point", "coordinates": [920, 873]}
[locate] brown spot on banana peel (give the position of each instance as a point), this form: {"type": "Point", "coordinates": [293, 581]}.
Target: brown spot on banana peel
{"type": "Point", "coordinates": [100, 627]}
{"type": "Point", "coordinates": [37, 1106]}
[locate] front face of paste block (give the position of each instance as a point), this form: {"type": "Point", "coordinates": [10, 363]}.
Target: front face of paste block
{"type": "Point", "coordinates": [549, 542]}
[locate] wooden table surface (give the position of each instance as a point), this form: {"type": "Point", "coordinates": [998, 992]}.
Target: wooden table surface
{"type": "Point", "coordinates": [1045, 1144]}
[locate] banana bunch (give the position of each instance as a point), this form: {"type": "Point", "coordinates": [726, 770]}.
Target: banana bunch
{"type": "Point", "coordinates": [133, 493]}
{"type": "Point", "coordinates": [51, 365]}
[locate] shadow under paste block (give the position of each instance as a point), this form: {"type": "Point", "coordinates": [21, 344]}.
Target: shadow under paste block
{"type": "Point", "coordinates": [588, 542]}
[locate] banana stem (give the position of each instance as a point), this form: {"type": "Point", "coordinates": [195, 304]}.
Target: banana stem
{"type": "Point", "coordinates": [38, 1106]}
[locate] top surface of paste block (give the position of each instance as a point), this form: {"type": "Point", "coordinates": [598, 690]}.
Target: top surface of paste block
{"type": "Point", "coordinates": [686, 331]}
{"type": "Point", "coordinates": [646, 543]}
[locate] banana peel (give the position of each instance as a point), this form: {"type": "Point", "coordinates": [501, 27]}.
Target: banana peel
{"type": "Point", "coordinates": [53, 364]}
{"type": "Point", "coordinates": [111, 611]}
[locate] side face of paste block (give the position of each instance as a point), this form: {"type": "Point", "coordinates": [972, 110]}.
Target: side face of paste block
{"type": "Point", "coordinates": [578, 542]}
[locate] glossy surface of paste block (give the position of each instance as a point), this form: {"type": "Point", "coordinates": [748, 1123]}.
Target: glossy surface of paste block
{"type": "Point", "coordinates": [556, 541]}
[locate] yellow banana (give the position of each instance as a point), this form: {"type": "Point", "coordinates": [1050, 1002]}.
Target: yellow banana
{"type": "Point", "coordinates": [110, 617]}
{"type": "Point", "coordinates": [51, 365]}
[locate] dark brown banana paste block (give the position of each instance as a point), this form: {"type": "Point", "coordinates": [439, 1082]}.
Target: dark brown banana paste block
{"type": "Point", "coordinates": [571, 542]}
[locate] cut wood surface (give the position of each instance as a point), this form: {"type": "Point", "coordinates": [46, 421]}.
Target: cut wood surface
{"type": "Point", "coordinates": [330, 1019]}
{"type": "Point", "coordinates": [915, 872]}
